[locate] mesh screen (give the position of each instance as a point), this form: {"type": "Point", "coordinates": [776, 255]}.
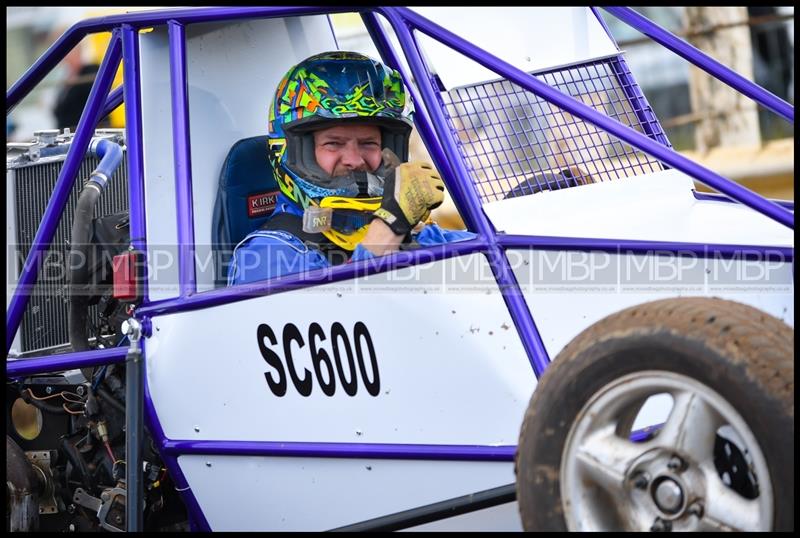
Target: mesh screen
{"type": "Point", "coordinates": [515, 143]}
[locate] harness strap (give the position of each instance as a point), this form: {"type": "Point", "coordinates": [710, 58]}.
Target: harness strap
{"type": "Point", "coordinates": [293, 224]}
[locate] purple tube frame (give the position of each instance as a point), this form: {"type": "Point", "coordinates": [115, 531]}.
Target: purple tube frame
{"type": "Point", "coordinates": [115, 98]}
{"type": "Point", "coordinates": [430, 123]}
{"type": "Point", "coordinates": [703, 61]}
{"type": "Point", "coordinates": [633, 246]}
{"type": "Point", "coordinates": [421, 117]}
{"type": "Point", "coordinates": [642, 109]}
{"type": "Point", "coordinates": [143, 19]}
{"type": "Point", "coordinates": [602, 22]}
{"type": "Point", "coordinates": [343, 450]}
{"type": "Point", "coordinates": [66, 178]}
{"type": "Point", "coordinates": [633, 92]}
{"type": "Point", "coordinates": [586, 113]}
{"type": "Point", "coordinates": [183, 158]}
{"type": "Point", "coordinates": [349, 271]}
{"type": "Point", "coordinates": [133, 126]}
{"type": "Point", "coordinates": [197, 519]}
{"type": "Point", "coordinates": [464, 194]}
{"type": "Point", "coordinates": [439, 34]}
{"type": "Point", "coordinates": [58, 363]}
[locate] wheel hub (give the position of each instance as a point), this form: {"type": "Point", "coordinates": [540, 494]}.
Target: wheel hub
{"type": "Point", "coordinates": [667, 482]}
{"type": "Point", "coordinates": [675, 482]}
{"type": "Point", "coordinates": [668, 496]}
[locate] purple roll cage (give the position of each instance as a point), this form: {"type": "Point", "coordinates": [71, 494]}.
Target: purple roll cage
{"type": "Point", "coordinates": [431, 122]}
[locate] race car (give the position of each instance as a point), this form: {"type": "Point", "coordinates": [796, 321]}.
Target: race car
{"type": "Point", "coordinates": [612, 351]}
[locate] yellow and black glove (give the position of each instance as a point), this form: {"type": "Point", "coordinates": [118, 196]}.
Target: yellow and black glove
{"type": "Point", "coordinates": [410, 191]}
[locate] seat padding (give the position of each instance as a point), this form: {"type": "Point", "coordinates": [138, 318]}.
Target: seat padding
{"type": "Point", "coordinates": [245, 199]}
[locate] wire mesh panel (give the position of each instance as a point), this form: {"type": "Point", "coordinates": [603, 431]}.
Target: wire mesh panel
{"type": "Point", "coordinates": [515, 143]}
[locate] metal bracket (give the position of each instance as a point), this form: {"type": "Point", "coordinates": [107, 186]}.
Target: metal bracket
{"type": "Point", "coordinates": [40, 461]}
{"type": "Point", "coordinates": [103, 505]}
{"type": "Point", "coordinates": [133, 328]}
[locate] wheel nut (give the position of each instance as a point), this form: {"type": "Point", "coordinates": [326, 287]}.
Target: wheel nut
{"type": "Point", "coordinates": [675, 464]}
{"type": "Point", "coordinates": [660, 525]}
{"type": "Point", "coordinates": [639, 480]}
{"type": "Point", "coordinates": [696, 509]}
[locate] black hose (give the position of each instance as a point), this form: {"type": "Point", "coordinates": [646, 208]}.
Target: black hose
{"type": "Point", "coordinates": [77, 461]}
{"type": "Point", "coordinates": [81, 235]}
{"type": "Point", "coordinates": [113, 402]}
{"type": "Point", "coordinates": [79, 270]}
{"type": "Point", "coordinates": [110, 400]}
{"type": "Point", "coordinates": [79, 267]}
{"type": "Point", "coordinates": [116, 384]}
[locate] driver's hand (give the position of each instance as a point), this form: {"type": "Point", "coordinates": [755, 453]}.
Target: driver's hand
{"type": "Point", "coordinates": [410, 191]}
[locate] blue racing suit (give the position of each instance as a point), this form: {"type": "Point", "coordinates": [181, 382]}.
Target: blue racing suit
{"type": "Point", "coordinates": [266, 254]}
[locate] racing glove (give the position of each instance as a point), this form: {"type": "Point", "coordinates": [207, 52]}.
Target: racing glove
{"type": "Point", "coordinates": [410, 191]}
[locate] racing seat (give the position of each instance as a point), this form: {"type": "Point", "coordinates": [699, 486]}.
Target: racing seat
{"type": "Point", "coordinates": [245, 199]}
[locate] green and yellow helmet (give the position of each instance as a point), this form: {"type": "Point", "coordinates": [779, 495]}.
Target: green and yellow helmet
{"type": "Point", "coordinates": [338, 87]}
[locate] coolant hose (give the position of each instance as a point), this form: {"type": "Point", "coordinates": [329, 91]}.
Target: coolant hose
{"type": "Point", "coordinates": [110, 155]}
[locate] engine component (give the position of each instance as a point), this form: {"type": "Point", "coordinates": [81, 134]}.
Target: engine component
{"type": "Point", "coordinates": [110, 507]}
{"type": "Point", "coordinates": [23, 487]}
{"type": "Point", "coordinates": [40, 461]}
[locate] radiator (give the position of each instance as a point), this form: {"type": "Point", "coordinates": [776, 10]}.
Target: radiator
{"type": "Point", "coordinates": [31, 182]}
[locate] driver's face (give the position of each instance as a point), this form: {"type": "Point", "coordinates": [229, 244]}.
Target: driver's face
{"type": "Point", "coordinates": [348, 148]}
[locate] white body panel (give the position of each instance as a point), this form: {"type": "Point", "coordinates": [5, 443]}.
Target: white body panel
{"type": "Point", "coordinates": [232, 71]}
{"type": "Point", "coordinates": [318, 494]}
{"type": "Point", "coordinates": [568, 291]}
{"type": "Point", "coordinates": [442, 355]}
{"type": "Point", "coordinates": [452, 371]}
{"type": "Point", "coordinates": [506, 32]}
{"type": "Point", "coordinates": [651, 207]}
{"type": "Point", "coordinates": [500, 518]}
